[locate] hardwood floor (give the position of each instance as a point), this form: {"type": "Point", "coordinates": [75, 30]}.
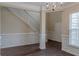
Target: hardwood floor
{"type": "Point", "coordinates": [53, 49]}
{"type": "Point", "coordinates": [20, 50]}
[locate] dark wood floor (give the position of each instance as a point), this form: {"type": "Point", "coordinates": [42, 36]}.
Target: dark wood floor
{"type": "Point", "coordinates": [53, 49]}
{"type": "Point", "coordinates": [20, 50]}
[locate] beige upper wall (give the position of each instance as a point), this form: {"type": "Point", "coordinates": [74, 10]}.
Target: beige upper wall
{"type": "Point", "coordinates": [12, 24]}
{"type": "Point", "coordinates": [52, 19]}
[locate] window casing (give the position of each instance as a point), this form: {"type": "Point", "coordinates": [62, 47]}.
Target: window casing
{"type": "Point", "coordinates": [74, 29]}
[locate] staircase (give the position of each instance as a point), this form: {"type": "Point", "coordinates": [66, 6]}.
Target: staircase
{"type": "Point", "coordinates": [28, 17]}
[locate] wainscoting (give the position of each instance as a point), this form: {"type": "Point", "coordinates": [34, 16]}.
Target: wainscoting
{"type": "Point", "coordinates": [18, 39]}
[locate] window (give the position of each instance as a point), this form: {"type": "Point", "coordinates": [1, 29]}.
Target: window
{"type": "Point", "coordinates": [74, 29]}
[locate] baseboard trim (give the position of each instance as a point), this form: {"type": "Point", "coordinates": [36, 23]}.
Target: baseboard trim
{"type": "Point", "coordinates": [17, 39]}
{"type": "Point", "coordinates": [53, 40]}
{"type": "Point", "coordinates": [20, 46]}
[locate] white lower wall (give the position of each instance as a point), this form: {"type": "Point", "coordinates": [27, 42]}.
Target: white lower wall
{"type": "Point", "coordinates": [18, 39]}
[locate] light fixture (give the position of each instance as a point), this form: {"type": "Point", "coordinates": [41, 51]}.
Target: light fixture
{"type": "Point", "coordinates": [47, 5]}
{"type": "Point", "coordinates": [51, 6]}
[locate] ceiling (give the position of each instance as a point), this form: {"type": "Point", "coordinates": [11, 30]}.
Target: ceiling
{"type": "Point", "coordinates": [44, 3]}
{"type": "Point", "coordinates": [35, 5]}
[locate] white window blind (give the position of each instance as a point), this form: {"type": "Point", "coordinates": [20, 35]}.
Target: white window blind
{"type": "Point", "coordinates": [74, 29]}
